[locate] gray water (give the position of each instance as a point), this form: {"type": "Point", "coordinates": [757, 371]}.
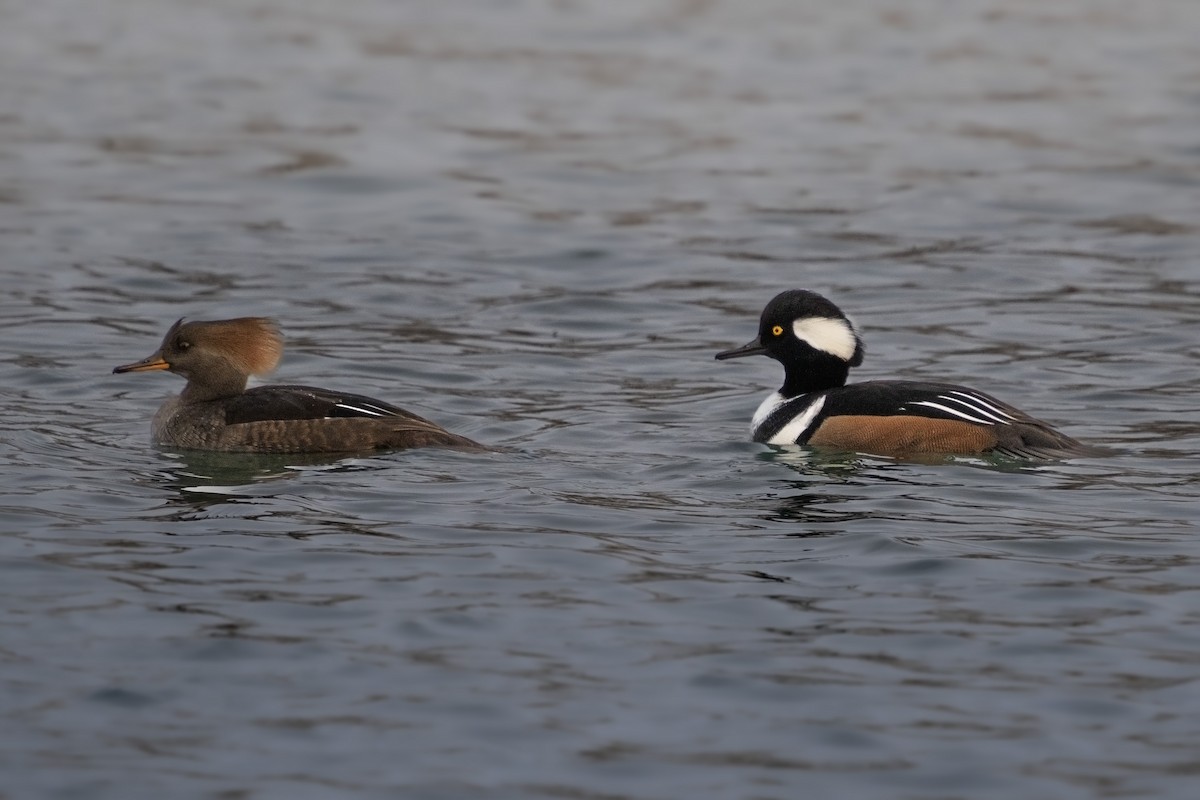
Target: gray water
{"type": "Point", "coordinates": [536, 222]}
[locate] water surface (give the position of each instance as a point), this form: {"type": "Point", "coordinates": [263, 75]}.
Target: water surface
{"type": "Point", "coordinates": [536, 223]}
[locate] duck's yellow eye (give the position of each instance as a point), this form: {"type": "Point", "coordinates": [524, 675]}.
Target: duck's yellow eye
{"type": "Point", "coordinates": [777, 330]}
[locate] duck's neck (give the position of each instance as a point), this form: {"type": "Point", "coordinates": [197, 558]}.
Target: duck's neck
{"type": "Point", "coordinates": [813, 376]}
{"type": "Point", "coordinates": [213, 387]}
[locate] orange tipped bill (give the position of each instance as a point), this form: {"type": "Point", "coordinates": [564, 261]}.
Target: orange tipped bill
{"type": "Point", "coordinates": [147, 364]}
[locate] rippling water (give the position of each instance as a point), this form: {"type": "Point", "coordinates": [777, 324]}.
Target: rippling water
{"type": "Point", "coordinates": [536, 222]}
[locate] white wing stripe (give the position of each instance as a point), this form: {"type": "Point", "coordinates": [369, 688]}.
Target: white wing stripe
{"type": "Point", "coordinates": [982, 403]}
{"type": "Point", "coordinates": [981, 410]}
{"type": "Point", "coordinates": [364, 410]}
{"type": "Point", "coordinates": [953, 412]}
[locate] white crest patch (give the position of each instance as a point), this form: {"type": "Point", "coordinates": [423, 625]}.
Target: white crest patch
{"type": "Point", "coordinates": [829, 334]}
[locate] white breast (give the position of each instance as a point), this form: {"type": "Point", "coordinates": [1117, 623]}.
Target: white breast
{"type": "Point", "coordinates": [789, 433]}
{"type": "Point", "coordinates": [767, 407]}
{"type": "Point", "coordinates": [792, 431]}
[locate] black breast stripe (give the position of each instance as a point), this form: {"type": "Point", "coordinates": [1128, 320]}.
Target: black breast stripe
{"type": "Point", "coordinates": [785, 413]}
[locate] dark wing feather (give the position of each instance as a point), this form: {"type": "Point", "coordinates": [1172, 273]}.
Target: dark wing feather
{"type": "Point", "coordinates": [922, 399]}
{"type": "Point", "coordinates": [265, 403]}
{"type": "Point", "coordinates": [1018, 434]}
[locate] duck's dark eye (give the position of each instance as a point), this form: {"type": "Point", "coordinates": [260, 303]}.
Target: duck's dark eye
{"type": "Point", "coordinates": [777, 330]}
{"type": "Point", "coordinates": [182, 346]}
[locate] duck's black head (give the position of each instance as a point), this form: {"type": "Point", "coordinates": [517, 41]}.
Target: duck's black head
{"type": "Point", "coordinates": [816, 343]}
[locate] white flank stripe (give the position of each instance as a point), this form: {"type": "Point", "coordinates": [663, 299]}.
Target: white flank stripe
{"type": "Point", "coordinates": [832, 335]}
{"type": "Point", "coordinates": [982, 403]}
{"type": "Point", "coordinates": [953, 412]}
{"type": "Point", "coordinates": [370, 412]}
{"type": "Point", "coordinates": [789, 433]}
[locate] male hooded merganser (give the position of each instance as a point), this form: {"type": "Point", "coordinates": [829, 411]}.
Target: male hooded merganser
{"type": "Point", "coordinates": [215, 411]}
{"type": "Point", "coordinates": [818, 345]}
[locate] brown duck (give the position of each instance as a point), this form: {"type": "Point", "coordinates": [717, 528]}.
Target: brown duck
{"type": "Point", "coordinates": [215, 411]}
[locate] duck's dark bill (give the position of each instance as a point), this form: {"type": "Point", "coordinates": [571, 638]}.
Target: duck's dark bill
{"type": "Point", "coordinates": [753, 348]}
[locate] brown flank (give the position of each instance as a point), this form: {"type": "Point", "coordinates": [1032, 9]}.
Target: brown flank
{"type": "Point", "coordinates": [901, 435]}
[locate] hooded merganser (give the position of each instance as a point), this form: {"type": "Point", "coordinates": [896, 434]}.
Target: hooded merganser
{"type": "Point", "coordinates": [215, 411]}
{"type": "Point", "coordinates": [818, 345]}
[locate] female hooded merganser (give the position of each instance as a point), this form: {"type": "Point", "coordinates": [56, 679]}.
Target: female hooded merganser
{"type": "Point", "coordinates": [215, 411]}
{"type": "Point", "coordinates": [818, 345]}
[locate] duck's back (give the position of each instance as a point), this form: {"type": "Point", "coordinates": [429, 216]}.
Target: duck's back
{"type": "Point", "coordinates": [298, 419]}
